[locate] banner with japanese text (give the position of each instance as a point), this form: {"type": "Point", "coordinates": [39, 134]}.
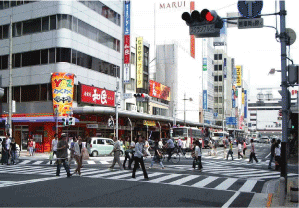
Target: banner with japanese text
{"type": "Point", "coordinates": [63, 92]}
{"type": "Point", "coordinates": [139, 62]}
{"type": "Point", "coordinates": [239, 76]}
{"type": "Point", "coordinates": [97, 96]}
{"type": "Point", "coordinates": [158, 90]}
{"type": "Point", "coordinates": [127, 43]}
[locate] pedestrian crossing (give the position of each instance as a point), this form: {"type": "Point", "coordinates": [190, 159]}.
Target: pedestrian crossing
{"type": "Point", "coordinates": [233, 171]}
{"type": "Point", "coordinates": [47, 162]}
{"type": "Point", "coordinates": [192, 181]}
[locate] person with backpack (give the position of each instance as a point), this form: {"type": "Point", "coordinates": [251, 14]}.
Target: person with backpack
{"type": "Point", "coordinates": [197, 156]}
{"type": "Point", "coordinates": [13, 151]}
{"type": "Point", "coordinates": [230, 150]}
{"type": "Point", "coordinates": [4, 152]}
{"type": "Point", "coordinates": [252, 153]}
{"type": "Point", "coordinates": [157, 156]}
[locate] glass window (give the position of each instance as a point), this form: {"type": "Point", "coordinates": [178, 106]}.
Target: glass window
{"type": "Point", "coordinates": [17, 60]}
{"type": "Point", "coordinates": [220, 100]}
{"type": "Point", "coordinates": [215, 78]}
{"type": "Point", "coordinates": [5, 29]}
{"type": "Point", "coordinates": [32, 26]}
{"type": "Point", "coordinates": [75, 24]}
{"type": "Point", "coordinates": [1, 5]}
{"type": "Point", "coordinates": [44, 56]}
{"type": "Point", "coordinates": [215, 89]}
{"type": "Point", "coordinates": [216, 67]}
{"type": "Point", "coordinates": [220, 111]}
{"type": "Point", "coordinates": [215, 56]}
{"type": "Point", "coordinates": [94, 141]}
{"type": "Point", "coordinates": [220, 67]}
{"type": "Point", "coordinates": [220, 56]}
{"type": "Point", "coordinates": [52, 55]}
{"type": "Point", "coordinates": [5, 4]}
{"type": "Point", "coordinates": [30, 93]}
{"type": "Point", "coordinates": [16, 29]}
{"type": "Point", "coordinates": [64, 21]}
{"type": "Point", "coordinates": [45, 23]}
{"type": "Point", "coordinates": [101, 141]}
{"type": "Point", "coordinates": [50, 97]}
{"type": "Point", "coordinates": [1, 32]}
{"type": "Point", "coordinates": [5, 62]}
{"type": "Point", "coordinates": [13, 3]}
{"type": "Point", "coordinates": [95, 64]}
{"type": "Point", "coordinates": [63, 55]}
{"type": "Point", "coordinates": [20, 2]}
{"type": "Point", "coordinates": [43, 90]}
{"type": "Point", "coordinates": [74, 56]}
{"type": "Point", "coordinates": [53, 22]}
{"type": "Point", "coordinates": [16, 94]}
{"type": "Point", "coordinates": [133, 58]}
{"type": "Point", "coordinates": [31, 58]}
{"type": "Point", "coordinates": [220, 88]}
{"type": "Point", "coordinates": [220, 78]}
{"type": "Point", "coordinates": [215, 99]}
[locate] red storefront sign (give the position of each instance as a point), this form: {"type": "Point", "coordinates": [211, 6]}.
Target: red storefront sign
{"type": "Point", "coordinates": [97, 96]}
{"type": "Point", "coordinates": [158, 90]}
{"type": "Point", "coordinates": [127, 50]}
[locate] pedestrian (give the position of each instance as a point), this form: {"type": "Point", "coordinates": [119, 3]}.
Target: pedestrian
{"type": "Point", "coordinates": [272, 152]}
{"type": "Point", "coordinates": [54, 147]}
{"type": "Point", "coordinates": [277, 155]}
{"type": "Point", "coordinates": [129, 155]}
{"type": "Point", "coordinates": [230, 150]}
{"type": "Point", "coordinates": [244, 147]}
{"type": "Point", "coordinates": [170, 147]}
{"type": "Point", "coordinates": [62, 155]}
{"type": "Point", "coordinates": [215, 145]}
{"type": "Point", "coordinates": [72, 151]}
{"type": "Point", "coordinates": [138, 157]}
{"type": "Point", "coordinates": [210, 151]}
{"type": "Point", "coordinates": [180, 143]}
{"type": "Point", "coordinates": [4, 152]}
{"type": "Point", "coordinates": [252, 153]}
{"type": "Point", "coordinates": [13, 151]}
{"type": "Point", "coordinates": [157, 156]}
{"type": "Point", "coordinates": [184, 147]}
{"type": "Point", "coordinates": [34, 143]}
{"type": "Point", "coordinates": [116, 151]}
{"type": "Point", "coordinates": [80, 147]}
{"type": "Point", "coordinates": [225, 147]}
{"type": "Point", "coordinates": [77, 156]}
{"type": "Point", "coordinates": [8, 141]}
{"type": "Point", "coordinates": [30, 146]}
{"type": "Point", "coordinates": [239, 150]}
{"type": "Point", "coordinates": [197, 156]}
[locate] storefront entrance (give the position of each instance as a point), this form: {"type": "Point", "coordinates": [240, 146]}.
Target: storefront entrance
{"type": "Point", "coordinates": [21, 135]}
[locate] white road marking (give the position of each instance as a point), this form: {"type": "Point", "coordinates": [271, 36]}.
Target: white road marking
{"type": "Point", "coordinates": [254, 173]}
{"type": "Point", "coordinates": [104, 162]}
{"type": "Point", "coordinates": [108, 172]}
{"type": "Point", "coordinates": [205, 182]}
{"type": "Point", "coordinates": [149, 175]}
{"type": "Point", "coordinates": [164, 178]}
{"type": "Point", "coordinates": [268, 155]}
{"type": "Point", "coordinates": [91, 162]}
{"type": "Point", "coordinates": [226, 184]}
{"type": "Point", "coordinates": [37, 162]}
{"type": "Point", "coordinates": [228, 203]}
{"type": "Point", "coordinates": [24, 162]}
{"type": "Point", "coordinates": [184, 180]}
{"type": "Point", "coordinates": [248, 186]}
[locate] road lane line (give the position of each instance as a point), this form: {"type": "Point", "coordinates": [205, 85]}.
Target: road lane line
{"type": "Point", "coordinates": [256, 173]}
{"type": "Point", "coordinates": [248, 186]}
{"type": "Point", "coordinates": [230, 201]}
{"type": "Point", "coordinates": [205, 182]}
{"type": "Point", "coordinates": [226, 184]}
{"type": "Point", "coordinates": [125, 175]}
{"type": "Point", "coordinates": [184, 180]}
{"type": "Point", "coordinates": [107, 173]}
{"type": "Point", "coordinates": [164, 178]}
{"type": "Point", "coordinates": [24, 162]}
{"type": "Point", "coordinates": [37, 162]}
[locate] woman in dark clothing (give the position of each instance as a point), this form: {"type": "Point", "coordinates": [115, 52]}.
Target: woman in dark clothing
{"type": "Point", "coordinates": [4, 152]}
{"type": "Point", "coordinates": [157, 156]}
{"type": "Point", "coordinates": [13, 151]}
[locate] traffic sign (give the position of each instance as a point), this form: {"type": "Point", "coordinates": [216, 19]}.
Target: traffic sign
{"type": "Point", "coordinates": [127, 96]}
{"type": "Point", "coordinates": [231, 121]}
{"type": "Point", "coordinates": [250, 8]}
{"type": "Point", "coordinates": [204, 31]}
{"type": "Point", "coordinates": [292, 36]}
{"type": "Point", "coordinates": [250, 23]}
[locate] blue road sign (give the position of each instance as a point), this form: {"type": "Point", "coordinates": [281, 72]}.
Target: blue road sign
{"type": "Point", "coordinates": [231, 121]}
{"type": "Point", "coordinates": [250, 9]}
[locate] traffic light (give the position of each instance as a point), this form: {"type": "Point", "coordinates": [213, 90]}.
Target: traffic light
{"type": "Point", "coordinates": [293, 74]}
{"type": "Point", "coordinates": [141, 97]}
{"type": "Point", "coordinates": [71, 121]}
{"type": "Point", "coordinates": [203, 24]}
{"type": "Point", "coordinates": [64, 121]}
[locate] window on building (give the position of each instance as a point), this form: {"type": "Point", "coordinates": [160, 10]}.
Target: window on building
{"type": "Point", "coordinates": [44, 56]}
{"type": "Point", "coordinates": [64, 21]}
{"type": "Point", "coordinates": [220, 89]}
{"type": "Point", "coordinates": [253, 114]}
{"type": "Point", "coordinates": [30, 93]}
{"type": "Point", "coordinates": [16, 60]}
{"type": "Point", "coordinates": [133, 58]}
{"type": "Point", "coordinates": [63, 55]}
{"type": "Point", "coordinates": [1, 33]}
{"type": "Point", "coordinates": [43, 92]}
{"type": "Point", "coordinates": [45, 24]}
{"type": "Point", "coordinates": [17, 29]}
{"type": "Point", "coordinates": [52, 55]}
{"type": "Point", "coordinates": [220, 111]}
{"type": "Point", "coordinates": [220, 78]}
{"type": "Point", "coordinates": [31, 58]}
{"type": "Point", "coordinates": [215, 67]}
{"type": "Point", "coordinates": [216, 78]}
{"type": "Point", "coordinates": [215, 56]}
{"type": "Point", "coordinates": [4, 62]}
{"type": "Point", "coordinates": [5, 4]}
{"type": "Point", "coordinates": [219, 56]}
{"type": "Point", "coordinates": [220, 67]}
{"type": "Point", "coordinates": [129, 106]}
{"type": "Point", "coordinates": [53, 22]}
{"type": "Point", "coordinates": [32, 26]}
{"type": "Point", "coordinates": [75, 24]}
{"type": "Point", "coordinates": [220, 100]}
{"type": "Point", "coordinates": [5, 29]}
{"type": "Point", "coordinates": [16, 93]}
{"type": "Point", "coordinates": [74, 56]}
{"type": "Point", "coordinates": [215, 88]}
{"type": "Point", "coordinates": [215, 99]}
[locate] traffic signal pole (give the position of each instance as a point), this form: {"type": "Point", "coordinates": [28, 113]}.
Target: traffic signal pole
{"type": "Point", "coordinates": [284, 86]}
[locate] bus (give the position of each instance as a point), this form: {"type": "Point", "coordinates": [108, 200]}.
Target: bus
{"type": "Point", "coordinates": [187, 134]}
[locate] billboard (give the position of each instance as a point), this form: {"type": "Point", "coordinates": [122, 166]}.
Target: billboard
{"type": "Point", "coordinates": [96, 96]}
{"type": "Point", "coordinates": [205, 100]}
{"type": "Point", "coordinates": [127, 18]}
{"type": "Point", "coordinates": [239, 76]}
{"type": "Point", "coordinates": [139, 62]}
{"type": "Point", "coordinates": [245, 105]}
{"type": "Point", "coordinates": [127, 42]}
{"type": "Point", "coordinates": [158, 90]}
{"type": "Point", "coordinates": [233, 99]}
{"type": "Point", "coordinates": [63, 92]}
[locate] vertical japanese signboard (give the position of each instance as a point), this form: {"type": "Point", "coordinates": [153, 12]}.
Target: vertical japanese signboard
{"type": "Point", "coordinates": [127, 43]}
{"type": "Point", "coordinates": [139, 62]}
{"type": "Point", "coordinates": [239, 76]}
{"type": "Point", "coordinates": [63, 91]}
{"type": "Point", "coordinates": [204, 64]}
{"type": "Point", "coordinates": [205, 100]}
{"type": "Point", "coordinates": [245, 105]}
{"type": "Point", "coordinates": [233, 99]}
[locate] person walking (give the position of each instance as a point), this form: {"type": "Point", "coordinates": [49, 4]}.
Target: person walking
{"type": "Point", "coordinates": [170, 147]}
{"type": "Point", "coordinates": [138, 157]}
{"type": "Point", "coordinates": [8, 141]}
{"type": "Point", "coordinates": [34, 143]}
{"type": "Point", "coordinates": [157, 156]}
{"type": "Point", "coordinates": [197, 156]}
{"type": "Point", "coordinates": [4, 152]}
{"type": "Point", "coordinates": [239, 150]}
{"type": "Point", "coordinates": [146, 148]}
{"type": "Point", "coordinates": [72, 151]}
{"type": "Point", "coordinates": [244, 147]}
{"type": "Point", "coordinates": [54, 147]}
{"type": "Point", "coordinates": [13, 151]}
{"type": "Point", "coordinates": [129, 155]}
{"type": "Point", "coordinates": [272, 152]}
{"type": "Point", "coordinates": [225, 144]}
{"type": "Point", "coordinates": [116, 151]}
{"type": "Point", "coordinates": [180, 143]}
{"type": "Point", "coordinates": [30, 146]}
{"type": "Point", "coordinates": [77, 155]}
{"type": "Point", "coordinates": [252, 153]}
{"type": "Point", "coordinates": [277, 155]}
{"type": "Point", "coordinates": [230, 150]}
{"type": "Point", "coordinates": [62, 156]}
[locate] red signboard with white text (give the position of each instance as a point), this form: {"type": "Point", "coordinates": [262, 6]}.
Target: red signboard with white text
{"type": "Point", "coordinates": [97, 96]}
{"type": "Point", "coordinates": [158, 90]}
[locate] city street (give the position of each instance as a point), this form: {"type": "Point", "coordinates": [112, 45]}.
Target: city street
{"type": "Point", "coordinates": [221, 183]}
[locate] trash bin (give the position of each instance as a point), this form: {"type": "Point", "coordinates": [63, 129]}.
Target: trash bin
{"type": "Point", "coordinates": [294, 194]}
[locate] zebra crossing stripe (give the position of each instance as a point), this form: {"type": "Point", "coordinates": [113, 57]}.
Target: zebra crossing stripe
{"type": "Point", "coordinates": [226, 184]}
{"type": "Point", "coordinates": [248, 186]}
{"type": "Point", "coordinates": [91, 162]}
{"type": "Point", "coordinates": [236, 171]}
{"type": "Point", "coordinates": [164, 178]}
{"type": "Point", "coordinates": [205, 182]}
{"type": "Point", "coordinates": [104, 162]}
{"type": "Point", "coordinates": [124, 175]}
{"type": "Point", "coordinates": [37, 162]}
{"type": "Point", "coordinates": [106, 173]}
{"type": "Point", "coordinates": [25, 162]}
{"type": "Point", "coordinates": [274, 176]}
{"type": "Point", "coordinates": [254, 173]}
{"type": "Point", "coordinates": [90, 173]}
{"type": "Point", "coordinates": [149, 175]}
{"type": "Point", "coordinates": [184, 180]}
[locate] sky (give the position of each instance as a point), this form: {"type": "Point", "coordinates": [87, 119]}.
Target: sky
{"type": "Point", "coordinates": [255, 49]}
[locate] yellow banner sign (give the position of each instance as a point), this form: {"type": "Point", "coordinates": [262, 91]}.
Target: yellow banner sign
{"type": "Point", "coordinates": [239, 76]}
{"type": "Point", "coordinates": [149, 123]}
{"type": "Point", "coordinates": [63, 91]}
{"type": "Point", "coordinates": [243, 98]}
{"type": "Point", "coordinates": [139, 62]}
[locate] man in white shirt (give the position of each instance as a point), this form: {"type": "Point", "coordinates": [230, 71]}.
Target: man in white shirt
{"type": "Point", "coordinates": [197, 158]}
{"type": "Point", "coordinates": [116, 150]}
{"type": "Point", "coordinates": [170, 148]}
{"type": "Point", "coordinates": [54, 147]}
{"type": "Point", "coordinates": [180, 144]}
{"type": "Point", "coordinates": [138, 157]}
{"type": "Point", "coordinates": [8, 141]}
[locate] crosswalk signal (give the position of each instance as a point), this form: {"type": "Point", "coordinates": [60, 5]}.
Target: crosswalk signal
{"type": "Point", "coordinates": [64, 121]}
{"type": "Point", "coordinates": [71, 121]}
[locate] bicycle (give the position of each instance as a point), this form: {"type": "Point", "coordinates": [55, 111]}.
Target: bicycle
{"type": "Point", "coordinates": [175, 157]}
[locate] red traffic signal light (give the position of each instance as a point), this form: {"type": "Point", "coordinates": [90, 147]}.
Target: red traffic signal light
{"type": "Point", "coordinates": [207, 15]}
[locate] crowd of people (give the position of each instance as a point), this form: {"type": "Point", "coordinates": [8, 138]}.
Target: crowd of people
{"type": "Point", "coordinates": [9, 150]}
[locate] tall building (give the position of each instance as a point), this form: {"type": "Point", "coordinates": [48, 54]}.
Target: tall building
{"type": "Point", "coordinates": [83, 38]}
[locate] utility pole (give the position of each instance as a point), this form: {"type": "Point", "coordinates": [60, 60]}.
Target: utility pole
{"type": "Point", "coordinates": [10, 78]}
{"type": "Point", "coordinates": [284, 86]}
{"type": "Point", "coordinates": [184, 109]}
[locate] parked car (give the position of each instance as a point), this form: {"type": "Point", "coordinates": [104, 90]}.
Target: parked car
{"type": "Point", "coordinates": [264, 139]}
{"type": "Point", "coordinates": [101, 146]}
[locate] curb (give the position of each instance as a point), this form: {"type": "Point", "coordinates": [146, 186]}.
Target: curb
{"type": "Point", "coordinates": [269, 200]}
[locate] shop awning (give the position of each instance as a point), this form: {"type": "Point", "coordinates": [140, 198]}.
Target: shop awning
{"type": "Point", "coordinates": [35, 119]}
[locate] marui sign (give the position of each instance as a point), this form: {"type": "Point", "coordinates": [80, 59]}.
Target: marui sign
{"type": "Point", "coordinates": [96, 96]}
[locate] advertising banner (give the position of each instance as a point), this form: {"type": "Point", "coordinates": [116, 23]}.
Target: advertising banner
{"type": "Point", "coordinates": [204, 64]}
{"type": "Point", "coordinates": [245, 105]}
{"type": "Point", "coordinates": [149, 123]}
{"type": "Point", "coordinates": [243, 98]}
{"type": "Point", "coordinates": [127, 43]}
{"type": "Point", "coordinates": [139, 62]}
{"type": "Point", "coordinates": [158, 90]}
{"type": "Point", "coordinates": [224, 68]}
{"type": "Point", "coordinates": [63, 92]}
{"type": "Point", "coordinates": [239, 76]}
{"type": "Point", "coordinates": [127, 51]}
{"type": "Point", "coordinates": [127, 17]}
{"type": "Point", "coordinates": [231, 121]}
{"type": "Point", "coordinates": [96, 96]}
{"type": "Point", "coordinates": [233, 99]}
{"type": "Point", "coordinates": [192, 37]}
{"type": "Point", "coordinates": [205, 100]}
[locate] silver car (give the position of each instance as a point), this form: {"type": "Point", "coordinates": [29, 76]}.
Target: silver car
{"type": "Point", "coordinates": [101, 146]}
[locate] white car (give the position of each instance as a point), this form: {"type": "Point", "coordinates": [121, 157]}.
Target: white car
{"type": "Point", "coordinates": [219, 136]}
{"type": "Point", "coordinates": [101, 146]}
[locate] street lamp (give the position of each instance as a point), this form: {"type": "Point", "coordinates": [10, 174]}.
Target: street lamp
{"type": "Point", "coordinates": [190, 99]}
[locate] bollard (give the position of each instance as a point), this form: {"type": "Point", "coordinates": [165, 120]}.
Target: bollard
{"type": "Point", "coordinates": [282, 194]}
{"type": "Point", "coordinates": [294, 191]}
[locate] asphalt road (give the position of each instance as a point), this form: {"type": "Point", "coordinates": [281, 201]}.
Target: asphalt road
{"type": "Point", "coordinates": [222, 183]}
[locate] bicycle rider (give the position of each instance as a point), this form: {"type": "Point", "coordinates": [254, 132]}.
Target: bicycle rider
{"type": "Point", "coordinates": [170, 147]}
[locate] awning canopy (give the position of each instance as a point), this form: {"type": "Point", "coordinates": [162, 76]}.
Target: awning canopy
{"type": "Point", "coordinates": [35, 119]}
